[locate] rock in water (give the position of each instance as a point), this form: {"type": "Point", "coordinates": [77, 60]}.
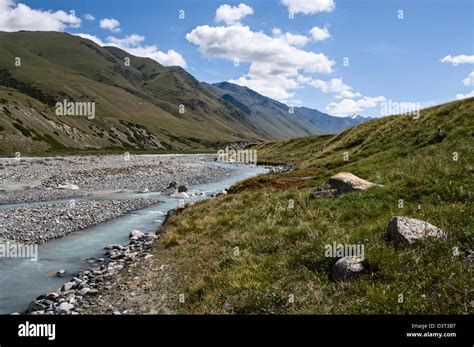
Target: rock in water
{"type": "Point", "coordinates": [182, 195]}
{"type": "Point", "coordinates": [345, 182]}
{"type": "Point", "coordinates": [136, 233]}
{"type": "Point", "coordinates": [404, 230]}
{"type": "Point", "coordinates": [347, 268]}
{"type": "Point", "coordinates": [182, 188]}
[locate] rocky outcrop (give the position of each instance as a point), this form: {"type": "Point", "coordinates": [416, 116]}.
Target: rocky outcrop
{"type": "Point", "coordinates": [404, 230]}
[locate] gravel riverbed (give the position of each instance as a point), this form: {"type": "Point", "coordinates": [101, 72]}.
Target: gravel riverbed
{"type": "Point", "coordinates": [45, 180]}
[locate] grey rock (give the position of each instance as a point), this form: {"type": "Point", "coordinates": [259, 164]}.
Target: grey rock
{"type": "Point", "coordinates": [68, 286]}
{"type": "Point", "coordinates": [404, 230]}
{"type": "Point", "coordinates": [65, 307]}
{"type": "Point", "coordinates": [136, 233]}
{"type": "Point", "coordinates": [347, 268]}
{"type": "Point", "coordinates": [345, 182]}
{"type": "Point", "coordinates": [182, 188]}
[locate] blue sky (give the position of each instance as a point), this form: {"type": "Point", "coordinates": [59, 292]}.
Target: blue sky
{"type": "Point", "coordinates": [389, 58]}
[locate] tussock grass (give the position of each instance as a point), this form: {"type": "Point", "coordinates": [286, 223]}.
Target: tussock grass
{"type": "Point", "coordinates": [249, 253]}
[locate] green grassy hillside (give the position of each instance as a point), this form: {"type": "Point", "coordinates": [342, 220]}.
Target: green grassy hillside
{"type": "Point", "coordinates": [249, 252]}
{"type": "Point", "coordinates": [137, 106]}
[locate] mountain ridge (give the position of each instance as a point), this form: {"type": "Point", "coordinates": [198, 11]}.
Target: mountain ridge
{"type": "Point", "coordinates": [142, 105]}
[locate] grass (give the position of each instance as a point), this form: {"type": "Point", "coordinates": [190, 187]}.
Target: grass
{"type": "Point", "coordinates": [57, 66]}
{"type": "Point", "coordinates": [249, 253]}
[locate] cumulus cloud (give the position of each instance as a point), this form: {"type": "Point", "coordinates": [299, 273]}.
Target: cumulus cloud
{"type": "Point", "coordinates": [469, 80]}
{"type": "Point", "coordinates": [459, 59]}
{"type": "Point", "coordinates": [320, 34]}
{"type": "Point", "coordinates": [335, 85]}
{"type": "Point", "coordinates": [291, 39]}
{"type": "Point", "coordinates": [133, 44]}
{"type": "Point", "coordinates": [309, 6]}
{"type": "Point", "coordinates": [14, 17]}
{"type": "Point", "coordinates": [232, 14]}
{"type": "Point", "coordinates": [89, 17]}
{"type": "Point", "coordinates": [465, 96]}
{"type": "Point", "coordinates": [351, 106]}
{"type": "Point", "coordinates": [110, 24]}
{"type": "Point", "coordinates": [275, 64]}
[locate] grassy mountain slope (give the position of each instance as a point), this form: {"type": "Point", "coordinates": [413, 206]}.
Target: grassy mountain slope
{"type": "Point", "coordinates": [137, 106]}
{"type": "Point", "coordinates": [248, 252]}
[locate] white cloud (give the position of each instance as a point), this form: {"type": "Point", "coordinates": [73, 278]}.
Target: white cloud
{"type": "Point", "coordinates": [127, 41]}
{"type": "Point", "coordinates": [89, 17]}
{"type": "Point", "coordinates": [91, 37]}
{"type": "Point", "coordinates": [291, 39]}
{"type": "Point", "coordinates": [335, 85]}
{"type": "Point", "coordinates": [14, 17]}
{"type": "Point", "coordinates": [465, 96]}
{"type": "Point", "coordinates": [309, 6]}
{"type": "Point", "coordinates": [351, 106]}
{"type": "Point", "coordinates": [469, 80]}
{"type": "Point", "coordinates": [133, 44]}
{"type": "Point", "coordinates": [110, 24]}
{"type": "Point", "coordinates": [459, 59]}
{"type": "Point", "coordinates": [275, 65]}
{"type": "Point", "coordinates": [276, 88]}
{"type": "Point", "coordinates": [232, 14]}
{"type": "Point", "coordinates": [320, 34]}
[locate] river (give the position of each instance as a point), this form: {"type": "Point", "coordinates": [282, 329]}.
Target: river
{"type": "Point", "coordinates": [22, 280]}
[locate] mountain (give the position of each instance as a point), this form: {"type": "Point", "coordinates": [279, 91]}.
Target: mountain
{"type": "Point", "coordinates": [275, 117]}
{"type": "Point", "coordinates": [326, 123]}
{"type": "Point", "coordinates": [140, 105]}
{"type": "Point", "coordinates": [271, 117]}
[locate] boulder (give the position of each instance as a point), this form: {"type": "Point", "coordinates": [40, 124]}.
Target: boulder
{"type": "Point", "coordinates": [52, 296]}
{"type": "Point", "coordinates": [61, 273]}
{"type": "Point", "coordinates": [136, 233]}
{"type": "Point", "coordinates": [404, 230]}
{"type": "Point", "coordinates": [172, 185]}
{"type": "Point", "coordinates": [65, 307]}
{"type": "Point", "coordinates": [35, 306]}
{"type": "Point", "coordinates": [345, 182]}
{"type": "Point", "coordinates": [347, 268]}
{"type": "Point", "coordinates": [83, 292]}
{"type": "Point", "coordinates": [68, 286]}
{"type": "Point", "coordinates": [182, 188]}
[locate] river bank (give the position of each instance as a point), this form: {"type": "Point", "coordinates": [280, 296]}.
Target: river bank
{"type": "Point", "coordinates": [83, 249]}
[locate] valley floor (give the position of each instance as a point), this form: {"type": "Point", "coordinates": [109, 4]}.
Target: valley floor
{"type": "Point", "coordinates": [261, 248]}
{"type": "Point", "coordinates": [46, 198]}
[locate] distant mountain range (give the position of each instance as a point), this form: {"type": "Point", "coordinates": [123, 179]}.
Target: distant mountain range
{"type": "Point", "coordinates": [139, 104]}
{"type": "Point", "coordinates": [269, 111]}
